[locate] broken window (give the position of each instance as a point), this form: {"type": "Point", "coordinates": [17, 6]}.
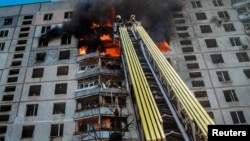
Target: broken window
{"type": "Point", "coordinates": [59, 108]}
{"type": "Point", "coordinates": [211, 43]}
{"type": "Point", "coordinates": [201, 16]}
{"type": "Point", "coordinates": [56, 130]}
{"type": "Point", "coordinates": [195, 74]}
{"type": "Point", "coordinates": [196, 4]}
{"type": "Point", "coordinates": [8, 21]}
{"type": "Point", "coordinates": [62, 70]}
{"type": "Point", "coordinates": [217, 3]}
{"type": "Point", "coordinates": [47, 17]}
{"type": "Point", "coordinates": [2, 44]}
{"type": "Point", "coordinates": [242, 57]}
{"type": "Point", "coordinates": [68, 15]}
{"type": "Point", "coordinates": [31, 109]}
{"type": "Point", "coordinates": [198, 83]}
{"type": "Point", "coordinates": [10, 88]}
{"type": "Point", "coordinates": [35, 90]}
{"type": "Point", "coordinates": [5, 108]}
{"type": "Point", "coordinates": [61, 88]}
{"type": "Point", "coordinates": [4, 118]}
{"type": "Point", "coordinates": [28, 131]}
{"type": "Point", "coordinates": [235, 41]}
{"type": "Point", "coordinates": [205, 29]}
{"type": "Point", "coordinates": [64, 55]}
{"type": "Point", "coordinates": [45, 29]}
{"type": "Point", "coordinates": [4, 33]}
{"type": "Point", "coordinates": [40, 57]}
{"type": "Point", "coordinates": [230, 96]}
{"type": "Point", "coordinates": [37, 72]}
{"type": "Point", "coordinates": [66, 39]}
{"type": "Point", "coordinates": [247, 72]}
{"type": "Point", "coordinates": [217, 58]}
{"type": "Point", "coordinates": [7, 97]}
{"type": "Point", "coordinates": [229, 27]}
{"type": "Point", "coordinates": [223, 76]}
{"type": "Point", "coordinates": [238, 117]}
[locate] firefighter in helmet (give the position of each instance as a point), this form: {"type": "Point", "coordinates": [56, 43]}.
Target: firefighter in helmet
{"type": "Point", "coordinates": [118, 23]}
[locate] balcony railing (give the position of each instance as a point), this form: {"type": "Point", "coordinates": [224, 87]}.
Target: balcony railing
{"type": "Point", "coordinates": [239, 4]}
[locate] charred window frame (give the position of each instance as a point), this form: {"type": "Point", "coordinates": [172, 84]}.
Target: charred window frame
{"type": "Point", "coordinates": [64, 55]}
{"type": "Point", "coordinates": [205, 29]}
{"type": "Point", "coordinates": [45, 29]}
{"type": "Point", "coordinates": [35, 90]}
{"type": "Point", "coordinates": [201, 16]}
{"type": "Point", "coordinates": [31, 109]}
{"type": "Point", "coordinates": [230, 96]}
{"type": "Point", "coordinates": [48, 17]}
{"type": "Point", "coordinates": [238, 117]}
{"type": "Point", "coordinates": [8, 21]}
{"type": "Point", "coordinates": [211, 43]}
{"type": "Point", "coordinates": [2, 44]}
{"type": "Point", "coordinates": [56, 130]}
{"type": "Point", "coordinates": [59, 108]}
{"type": "Point", "coordinates": [68, 15]}
{"type": "Point", "coordinates": [28, 131]}
{"type": "Point", "coordinates": [223, 76]}
{"type": "Point", "coordinates": [235, 41]}
{"type": "Point", "coordinates": [247, 72]}
{"type": "Point", "coordinates": [196, 4]}
{"type": "Point", "coordinates": [217, 3]}
{"type": "Point", "coordinates": [242, 57]}
{"type": "Point", "coordinates": [217, 58]}
{"type": "Point", "coordinates": [62, 70]}
{"type": "Point", "coordinates": [61, 88]}
{"type": "Point", "coordinates": [40, 57]}
{"type": "Point", "coordinates": [37, 72]}
{"type": "Point", "coordinates": [4, 33]}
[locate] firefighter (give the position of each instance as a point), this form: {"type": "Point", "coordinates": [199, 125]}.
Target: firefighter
{"type": "Point", "coordinates": [118, 23]}
{"type": "Point", "coordinates": [132, 21]}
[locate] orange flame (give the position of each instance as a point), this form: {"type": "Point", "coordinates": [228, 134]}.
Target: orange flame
{"type": "Point", "coordinates": [82, 50]}
{"type": "Point", "coordinates": [105, 37]}
{"type": "Point", "coordinates": [95, 25]}
{"type": "Point", "coordinates": [163, 46]}
{"type": "Point", "coordinates": [111, 51]}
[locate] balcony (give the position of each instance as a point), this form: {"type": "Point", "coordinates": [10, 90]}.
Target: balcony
{"type": "Point", "coordinates": [96, 110]}
{"type": "Point", "coordinates": [86, 56]}
{"type": "Point", "coordinates": [240, 4]}
{"type": "Point", "coordinates": [87, 73]}
{"type": "Point", "coordinates": [99, 133]}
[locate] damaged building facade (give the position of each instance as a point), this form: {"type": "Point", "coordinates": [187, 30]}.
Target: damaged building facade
{"type": "Point", "coordinates": [58, 90]}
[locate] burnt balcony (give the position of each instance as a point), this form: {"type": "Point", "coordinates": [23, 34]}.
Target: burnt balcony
{"type": "Point", "coordinates": [89, 55]}
{"type": "Point", "coordinates": [87, 91]}
{"type": "Point", "coordinates": [98, 70]}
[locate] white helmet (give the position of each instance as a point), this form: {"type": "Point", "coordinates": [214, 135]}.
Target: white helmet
{"type": "Point", "coordinates": [132, 16]}
{"type": "Point", "coordinates": [118, 17]}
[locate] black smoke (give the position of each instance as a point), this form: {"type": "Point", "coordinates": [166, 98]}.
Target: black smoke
{"type": "Point", "coordinates": [153, 14]}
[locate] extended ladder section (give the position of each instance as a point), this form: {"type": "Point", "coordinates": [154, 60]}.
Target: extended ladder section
{"type": "Point", "coordinates": [195, 113]}
{"type": "Point", "coordinates": [150, 117]}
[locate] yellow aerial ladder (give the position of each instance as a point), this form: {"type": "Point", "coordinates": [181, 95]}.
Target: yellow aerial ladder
{"type": "Point", "coordinates": [191, 114]}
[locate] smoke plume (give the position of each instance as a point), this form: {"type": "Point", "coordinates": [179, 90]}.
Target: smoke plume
{"type": "Point", "coordinates": [93, 18]}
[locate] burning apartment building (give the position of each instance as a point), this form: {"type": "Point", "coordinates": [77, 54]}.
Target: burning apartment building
{"type": "Point", "coordinates": [65, 74]}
